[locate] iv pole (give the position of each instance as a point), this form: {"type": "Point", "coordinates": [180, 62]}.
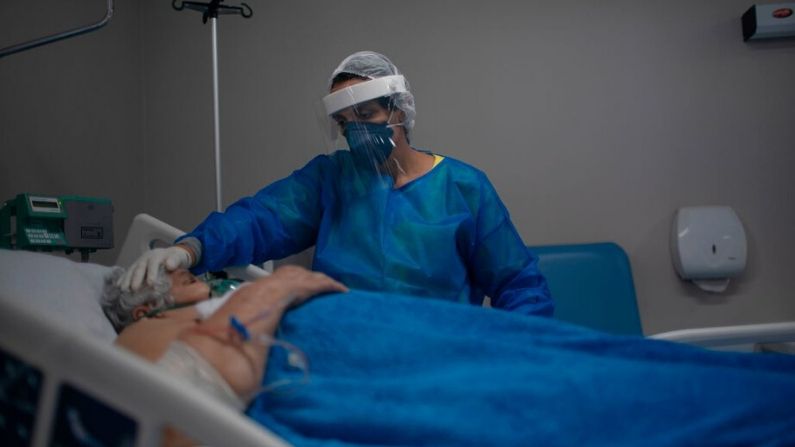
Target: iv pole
{"type": "Point", "coordinates": [211, 10]}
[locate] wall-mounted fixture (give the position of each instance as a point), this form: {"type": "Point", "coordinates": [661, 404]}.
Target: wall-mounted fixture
{"type": "Point", "coordinates": [708, 246]}
{"type": "Point", "coordinates": [59, 36]}
{"type": "Point", "coordinates": [769, 21]}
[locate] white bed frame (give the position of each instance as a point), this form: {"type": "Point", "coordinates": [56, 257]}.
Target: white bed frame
{"type": "Point", "coordinates": [779, 337]}
{"type": "Point", "coordinates": [120, 380]}
{"type": "Point", "coordinates": [155, 399]}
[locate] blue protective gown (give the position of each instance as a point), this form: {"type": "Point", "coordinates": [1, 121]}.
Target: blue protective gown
{"type": "Point", "coordinates": [445, 235]}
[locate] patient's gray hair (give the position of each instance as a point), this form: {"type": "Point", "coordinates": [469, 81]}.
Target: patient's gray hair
{"type": "Point", "coordinates": [118, 305]}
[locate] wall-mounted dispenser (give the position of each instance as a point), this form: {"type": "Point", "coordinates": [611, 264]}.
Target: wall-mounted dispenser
{"type": "Point", "coordinates": [708, 246]}
{"type": "Point", "coordinates": [769, 21]}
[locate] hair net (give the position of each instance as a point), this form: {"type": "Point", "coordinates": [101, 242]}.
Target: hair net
{"type": "Point", "coordinates": [372, 65]}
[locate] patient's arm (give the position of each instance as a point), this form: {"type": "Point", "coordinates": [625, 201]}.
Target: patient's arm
{"type": "Point", "coordinates": [260, 307]}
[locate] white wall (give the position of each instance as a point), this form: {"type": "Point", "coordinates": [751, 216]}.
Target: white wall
{"type": "Point", "coordinates": [594, 120]}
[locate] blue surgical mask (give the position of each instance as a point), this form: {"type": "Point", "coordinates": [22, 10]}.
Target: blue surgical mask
{"type": "Point", "coordinates": [371, 141]}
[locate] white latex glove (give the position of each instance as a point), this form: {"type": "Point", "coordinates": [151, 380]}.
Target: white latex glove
{"type": "Point", "coordinates": [146, 267]}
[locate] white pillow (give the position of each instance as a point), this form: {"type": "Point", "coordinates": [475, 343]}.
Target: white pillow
{"type": "Point", "coordinates": [57, 286]}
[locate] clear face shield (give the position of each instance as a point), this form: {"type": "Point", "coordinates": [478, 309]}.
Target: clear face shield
{"type": "Point", "coordinates": [359, 117]}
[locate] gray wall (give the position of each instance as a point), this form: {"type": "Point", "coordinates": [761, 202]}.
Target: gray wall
{"type": "Point", "coordinates": [71, 112]}
{"type": "Point", "coordinates": [594, 120]}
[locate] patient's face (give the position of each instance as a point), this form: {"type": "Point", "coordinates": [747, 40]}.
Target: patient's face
{"type": "Point", "coordinates": [186, 288]}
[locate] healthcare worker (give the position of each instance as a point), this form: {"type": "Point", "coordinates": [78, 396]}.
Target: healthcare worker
{"type": "Point", "coordinates": [382, 215]}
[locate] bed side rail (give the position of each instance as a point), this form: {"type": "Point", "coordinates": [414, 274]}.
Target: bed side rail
{"type": "Point", "coordinates": [751, 337]}
{"type": "Point", "coordinates": [68, 360]}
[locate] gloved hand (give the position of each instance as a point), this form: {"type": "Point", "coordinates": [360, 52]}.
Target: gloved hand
{"type": "Point", "coordinates": [146, 267]}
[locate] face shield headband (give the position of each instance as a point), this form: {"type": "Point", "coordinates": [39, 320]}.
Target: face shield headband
{"type": "Point", "coordinates": [364, 91]}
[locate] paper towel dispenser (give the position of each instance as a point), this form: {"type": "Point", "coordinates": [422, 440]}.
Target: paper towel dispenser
{"type": "Point", "coordinates": [708, 245]}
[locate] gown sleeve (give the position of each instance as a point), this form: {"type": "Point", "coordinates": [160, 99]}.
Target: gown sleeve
{"type": "Point", "coordinates": [281, 219]}
{"type": "Point", "coordinates": [502, 266]}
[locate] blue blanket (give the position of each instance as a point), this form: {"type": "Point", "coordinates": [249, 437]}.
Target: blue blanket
{"type": "Point", "coordinates": [392, 370]}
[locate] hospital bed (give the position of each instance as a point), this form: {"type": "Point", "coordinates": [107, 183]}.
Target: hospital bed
{"type": "Point", "coordinates": [62, 381]}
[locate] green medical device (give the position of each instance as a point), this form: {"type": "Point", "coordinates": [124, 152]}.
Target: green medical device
{"type": "Point", "coordinates": [57, 223]}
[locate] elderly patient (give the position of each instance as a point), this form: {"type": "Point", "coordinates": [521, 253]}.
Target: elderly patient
{"type": "Point", "coordinates": [409, 371]}
{"type": "Point", "coordinates": [169, 322]}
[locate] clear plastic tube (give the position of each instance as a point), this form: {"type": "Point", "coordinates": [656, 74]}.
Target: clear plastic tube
{"type": "Point", "coordinates": [296, 358]}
